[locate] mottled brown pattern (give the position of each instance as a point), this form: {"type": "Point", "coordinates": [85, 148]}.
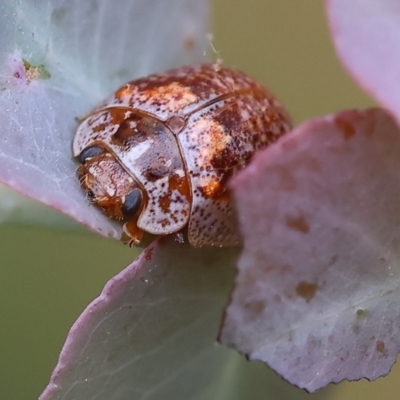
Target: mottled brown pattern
{"type": "Point", "coordinates": [127, 131]}
{"type": "Point", "coordinates": [165, 203]}
{"type": "Point", "coordinates": [182, 134]}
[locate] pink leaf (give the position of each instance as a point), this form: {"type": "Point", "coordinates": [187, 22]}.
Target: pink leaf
{"type": "Point", "coordinates": [366, 34]}
{"type": "Point", "coordinates": [151, 332]}
{"type": "Point", "coordinates": [36, 155]}
{"type": "Point", "coordinates": [316, 296]}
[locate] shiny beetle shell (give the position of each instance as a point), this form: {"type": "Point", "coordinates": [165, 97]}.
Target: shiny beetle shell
{"type": "Point", "coordinates": [159, 152]}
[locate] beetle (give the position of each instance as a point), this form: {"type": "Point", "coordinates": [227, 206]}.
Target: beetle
{"type": "Point", "coordinates": [158, 153]}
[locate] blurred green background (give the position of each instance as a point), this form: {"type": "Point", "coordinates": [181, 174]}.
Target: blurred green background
{"type": "Point", "coordinates": [48, 277]}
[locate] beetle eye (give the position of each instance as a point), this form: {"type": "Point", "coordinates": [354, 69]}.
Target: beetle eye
{"type": "Point", "coordinates": [90, 195]}
{"type": "Point", "coordinates": [90, 152]}
{"type": "Point", "coordinates": [132, 202]}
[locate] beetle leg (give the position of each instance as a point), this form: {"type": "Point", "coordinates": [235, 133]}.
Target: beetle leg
{"type": "Point", "coordinates": [134, 234]}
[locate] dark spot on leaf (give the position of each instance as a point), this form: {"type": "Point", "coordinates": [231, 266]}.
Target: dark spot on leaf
{"type": "Point", "coordinates": [254, 308]}
{"type": "Point", "coordinates": [306, 290]}
{"type": "Point", "coordinates": [189, 42]}
{"type": "Point", "coordinates": [148, 253]}
{"type": "Point", "coordinates": [298, 223]}
{"type": "Point", "coordinates": [332, 260]}
{"type": "Point", "coordinates": [312, 164]}
{"type": "Point", "coordinates": [58, 15]}
{"type": "Point", "coordinates": [346, 127]}
{"type": "Point", "coordinates": [286, 180]}
{"type": "Point", "coordinates": [380, 347]}
{"type": "Point", "coordinates": [249, 277]}
{"type": "Point", "coordinates": [361, 314]}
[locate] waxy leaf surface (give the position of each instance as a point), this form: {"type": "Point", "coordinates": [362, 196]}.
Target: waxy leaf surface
{"type": "Point", "coordinates": [317, 292]}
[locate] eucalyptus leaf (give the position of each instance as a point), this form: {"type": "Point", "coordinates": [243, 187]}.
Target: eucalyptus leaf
{"type": "Point", "coordinates": [57, 61]}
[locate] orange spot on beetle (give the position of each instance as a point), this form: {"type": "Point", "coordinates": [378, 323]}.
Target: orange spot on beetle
{"type": "Point", "coordinates": [211, 189]}
{"type": "Point", "coordinates": [165, 203]}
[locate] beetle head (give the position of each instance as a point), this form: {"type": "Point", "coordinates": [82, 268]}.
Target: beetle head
{"type": "Point", "coordinates": [108, 185]}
